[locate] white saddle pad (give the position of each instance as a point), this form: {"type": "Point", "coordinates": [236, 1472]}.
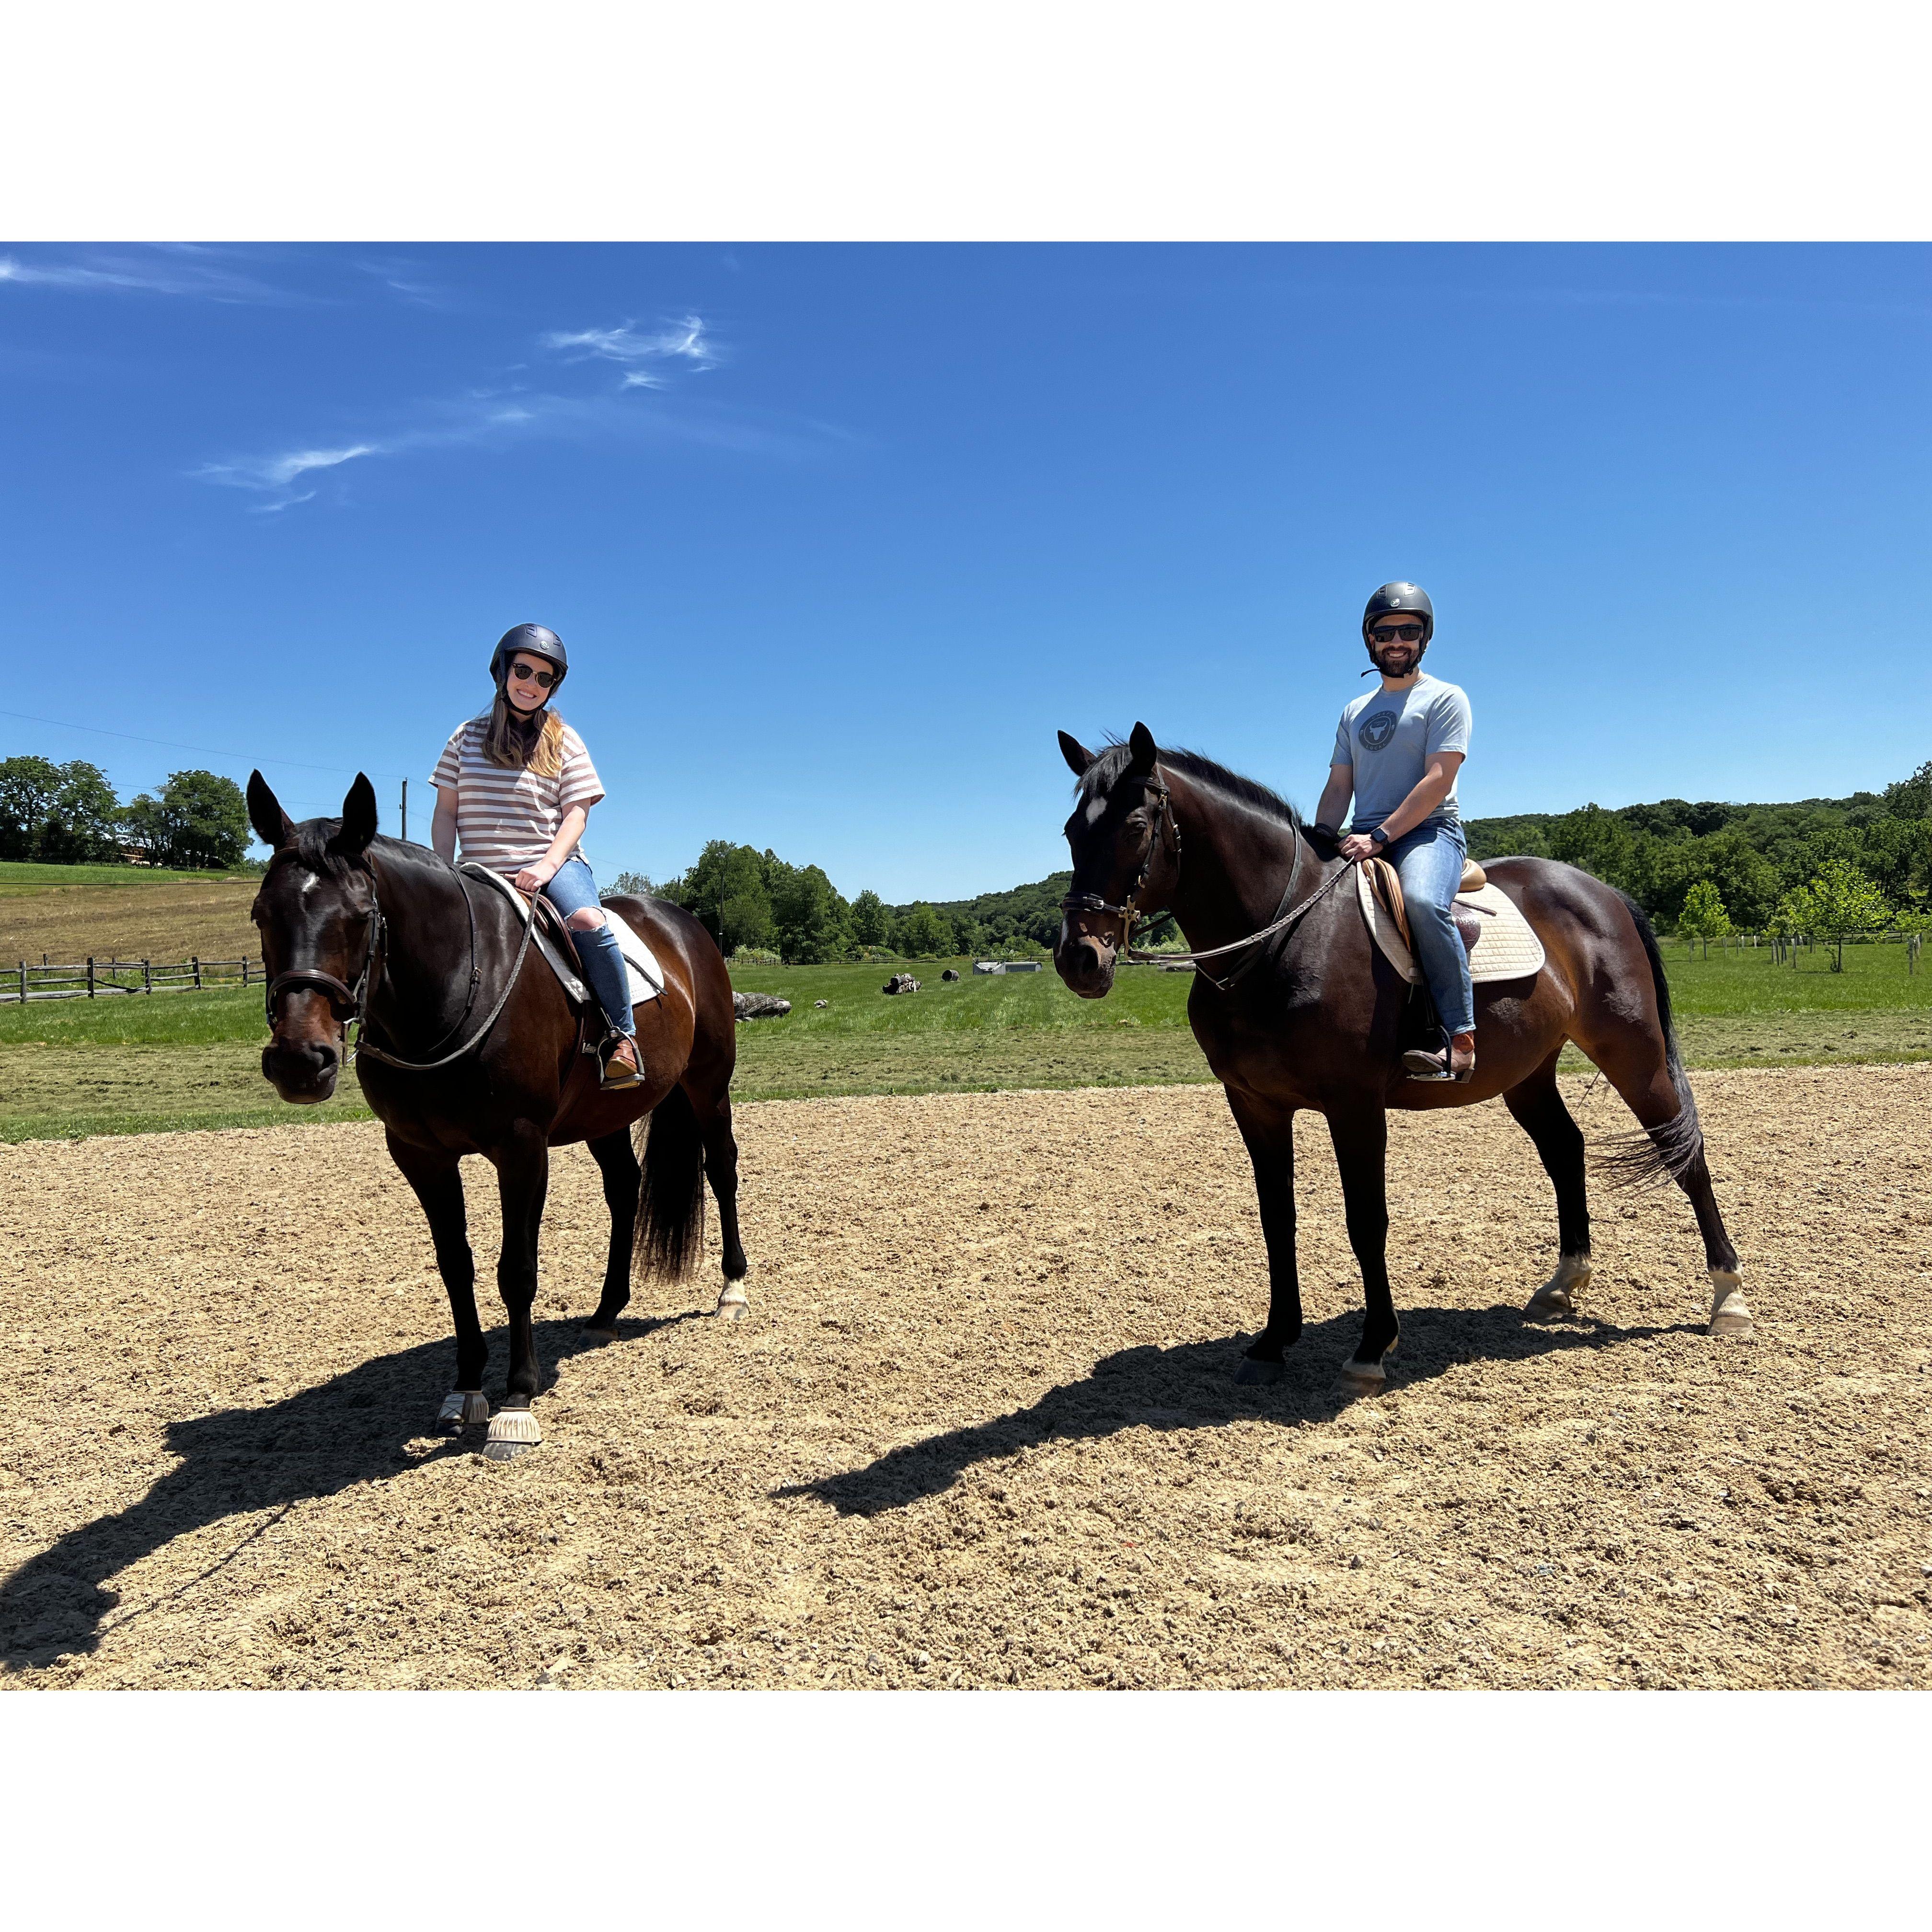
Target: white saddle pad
{"type": "Point", "coordinates": [1507, 948]}
{"type": "Point", "coordinates": [647, 976]}
{"type": "Point", "coordinates": [647, 979]}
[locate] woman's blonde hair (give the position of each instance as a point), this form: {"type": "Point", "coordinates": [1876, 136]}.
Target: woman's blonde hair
{"type": "Point", "coordinates": [532, 744]}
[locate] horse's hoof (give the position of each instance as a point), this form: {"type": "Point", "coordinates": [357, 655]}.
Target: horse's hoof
{"type": "Point", "coordinates": [462, 1408]}
{"type": "Point", "coordinates": [1365, 1377]}
{"type": "Point", "coordinates": [734, 1305]}
{"type": "Point", "coordinates": [1556, 1299]}
{"type": "Point", "coordinates": [593, 1334]}
{"type": "Point", "coordinates": [513, 1432]}
{"type": "Point", "coordinates": [1729, 1314]}
{"type": "Point", "coordinates": [1255, 1373]}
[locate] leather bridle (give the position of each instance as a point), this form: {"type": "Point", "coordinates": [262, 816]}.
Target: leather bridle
{"type": "Point", "coordinates": [1128, 911]}
{"type": "Point", "coordinates": [350, 1004]}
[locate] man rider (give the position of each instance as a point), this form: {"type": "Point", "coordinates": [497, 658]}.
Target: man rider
{"type": "Point", "coordinates": [1398, 750]}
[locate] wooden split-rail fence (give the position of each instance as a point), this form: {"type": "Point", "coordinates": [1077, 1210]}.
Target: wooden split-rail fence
{"type": "Point", "coordinates": [95, 979]}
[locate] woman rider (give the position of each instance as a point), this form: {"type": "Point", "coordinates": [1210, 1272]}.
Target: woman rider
{"type": "Point", "coordinates": [516, 786]}
{"type": "Point", "coordinates": [1398, 750]}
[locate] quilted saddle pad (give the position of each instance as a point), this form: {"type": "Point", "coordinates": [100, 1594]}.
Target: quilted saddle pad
{"type": "Point", "coordinates": [1506, 946]}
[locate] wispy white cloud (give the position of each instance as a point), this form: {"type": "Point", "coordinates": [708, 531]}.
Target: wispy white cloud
{"type": "Point", "coordinates": [274, 475]}
{"type": "Point", "coordinates": [405, 279]}
{"type": "Point", "coordinates": [687, 340]}
{"type": "Point", "coordinates": [186, 271]}
{"type": "Point", "coordinates": [511, 412]}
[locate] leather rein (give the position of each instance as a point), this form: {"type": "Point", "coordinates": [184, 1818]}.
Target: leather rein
{"type": "Point", "coordinates": [350, 1004]}
{"type": "Point", "coordinates": [1128, 912]}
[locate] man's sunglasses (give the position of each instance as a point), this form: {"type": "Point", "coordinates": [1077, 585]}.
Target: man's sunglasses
{"type": "Point", "coordinates": [1387, 633]}
{"type": "Point", "coordinates": [526, 673]}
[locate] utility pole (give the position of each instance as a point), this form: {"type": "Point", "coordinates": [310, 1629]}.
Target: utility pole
{"type": "Point", "coordinates": [405, 812]}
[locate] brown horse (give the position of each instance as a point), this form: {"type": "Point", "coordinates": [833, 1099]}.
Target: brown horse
{"type": "Point", "coordinates": [1295, 1007]}
{"type": "Point", "coordinates": [469, 1046]}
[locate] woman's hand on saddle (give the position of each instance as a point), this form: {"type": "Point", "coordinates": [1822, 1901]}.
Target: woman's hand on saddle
{"type": "Point", "coordinates": [1357, 846]}
{"type": "Point", "coordinates": [533, 879]}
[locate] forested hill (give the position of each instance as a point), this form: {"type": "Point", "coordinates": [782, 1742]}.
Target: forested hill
{"type": "Point", "coordinates": [1754, 856]}
{"type": "Point", "coordinates": [1022, 912]}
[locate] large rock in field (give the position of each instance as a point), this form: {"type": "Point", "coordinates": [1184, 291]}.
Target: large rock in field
{"type": "Point", "coordinates": [759, 1006]}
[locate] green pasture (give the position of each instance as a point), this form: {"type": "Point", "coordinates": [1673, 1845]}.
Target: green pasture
{"type": "Point", "coordinates": [133, 1063]}
{"type": "Point", "coordinates": [20, 876]}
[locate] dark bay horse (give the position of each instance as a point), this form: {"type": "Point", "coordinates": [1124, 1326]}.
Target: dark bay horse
{"type": "Point", "coordinates": [1306, 1017]}
{"type": "Point", "coordinates": [355, 925]}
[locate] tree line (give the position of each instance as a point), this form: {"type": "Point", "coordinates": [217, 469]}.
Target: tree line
{"type": "Point", "coordinates": [751, 902]}
{"type": "Point", "coordinates": [69, 815]}
{"type": "Point", "coordinates": [1819, 866]}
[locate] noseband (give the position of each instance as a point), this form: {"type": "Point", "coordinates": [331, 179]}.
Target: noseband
{"type": "Point", "coordinates": [1128, 912]}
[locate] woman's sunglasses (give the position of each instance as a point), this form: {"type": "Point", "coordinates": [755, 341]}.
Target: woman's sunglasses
{"type": "Point", "coordinates": [529, 674]}
{"type": "Point", "coordinates": [1388, 633]}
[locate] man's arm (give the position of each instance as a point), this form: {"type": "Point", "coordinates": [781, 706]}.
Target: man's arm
{"type": "Point", "coordinates": [1335, 797]}
{"type": "Point", "coordinates": [1431, 789]}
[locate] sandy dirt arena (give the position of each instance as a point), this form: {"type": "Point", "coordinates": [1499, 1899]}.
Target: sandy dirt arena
{"type": "Point", "coordinates": [980, 1428]}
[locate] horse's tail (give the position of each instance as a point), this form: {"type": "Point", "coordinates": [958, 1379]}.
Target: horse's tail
{"type": "Point", "coordinates": [669, 1239]}
{"type": "Point", "coordinates": [1666, 1153]}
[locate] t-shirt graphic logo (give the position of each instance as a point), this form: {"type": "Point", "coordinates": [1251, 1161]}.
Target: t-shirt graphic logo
{"type": "Point", "coordinates": [1376, 732]}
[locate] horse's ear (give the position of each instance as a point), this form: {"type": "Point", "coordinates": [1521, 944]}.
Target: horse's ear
{"type": "Point", "coordinates": [358, 820]}
{"type": "Point", "coordinates": [1140, 742]}
{"type": "Point", "coordinates": [273, 825]}
{"type": "Point", "coordinates": [1077, 757]}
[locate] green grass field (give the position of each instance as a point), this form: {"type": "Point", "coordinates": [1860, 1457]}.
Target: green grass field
{"type": "Point", "coordinates": [20, 876]}
{"type": "Point", "coordinates": [134, 1064]}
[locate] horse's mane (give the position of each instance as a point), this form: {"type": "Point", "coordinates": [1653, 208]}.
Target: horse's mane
{"type": "Point", "coordinates": [1115, 757]}
{"type": "Point", "coordinates": [310, 847]}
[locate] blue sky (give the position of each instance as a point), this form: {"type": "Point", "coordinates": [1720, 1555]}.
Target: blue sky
{"type": "Point", "coordinates": [839, 536]}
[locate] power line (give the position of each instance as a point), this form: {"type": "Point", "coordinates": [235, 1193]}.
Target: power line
{"type": "Point", "coordinates": [206, 751]}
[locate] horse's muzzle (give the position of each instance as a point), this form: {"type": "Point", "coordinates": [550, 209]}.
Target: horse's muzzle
{"type": "Point", "coordinates": [303, 1072]}
{"type": "Point", "coordinates": [1086, 965]}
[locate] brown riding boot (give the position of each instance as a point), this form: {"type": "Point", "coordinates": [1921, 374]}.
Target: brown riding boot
{"type": "Point", "coordinates": [1458, 1064]}
{"type": "Point", "coordinates": [622, 1066]}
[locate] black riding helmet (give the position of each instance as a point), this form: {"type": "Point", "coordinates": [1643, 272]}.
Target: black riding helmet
{"type": "Point", "coordinates": [1407, 599]}
{"type": "Point", "coordinates": [532, 641]}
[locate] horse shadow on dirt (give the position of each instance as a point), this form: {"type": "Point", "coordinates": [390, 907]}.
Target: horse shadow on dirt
{"type": "Point", "coordinates": [1192, 1386]}
{"type": "Point", "coordinates": [365, 1426]}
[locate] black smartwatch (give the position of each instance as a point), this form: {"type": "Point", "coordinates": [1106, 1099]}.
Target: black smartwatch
{"type": "Point", "coordinates": [1379, 837]}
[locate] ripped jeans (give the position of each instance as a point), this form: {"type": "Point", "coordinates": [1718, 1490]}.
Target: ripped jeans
{"type": "Point", "coordinates": [574, 890]}
{"type": "Point", "coordinates": [1430, 859]}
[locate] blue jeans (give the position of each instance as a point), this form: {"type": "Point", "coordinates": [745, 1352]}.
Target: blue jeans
{"type": "Point", "coordinates": [573, 890]}
{"type": "Point", "coordinates": [1430, 859]}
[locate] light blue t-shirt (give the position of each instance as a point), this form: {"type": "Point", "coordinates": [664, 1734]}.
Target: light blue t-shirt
{"type": "Point", "coordinates": [1388, 737]}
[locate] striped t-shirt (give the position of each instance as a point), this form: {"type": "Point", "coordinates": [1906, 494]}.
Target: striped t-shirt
{"type": "Point", "coordinates": [506, 819]}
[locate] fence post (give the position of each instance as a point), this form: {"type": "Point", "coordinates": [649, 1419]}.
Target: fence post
{"type": "Point", "coordinates": [244, 972]}
{"type": "Point", "coordinates": [195, 962]}
{"type": "Point", "coordinates": [147, 977]}
{"type": "Point", "coordinates": [90, 975]}
{"type": "Point", "coordinates": [23, 983]}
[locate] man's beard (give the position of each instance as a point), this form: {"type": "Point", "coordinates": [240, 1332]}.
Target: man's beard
{"type": "Point", "coordinates": [1409, 653]}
